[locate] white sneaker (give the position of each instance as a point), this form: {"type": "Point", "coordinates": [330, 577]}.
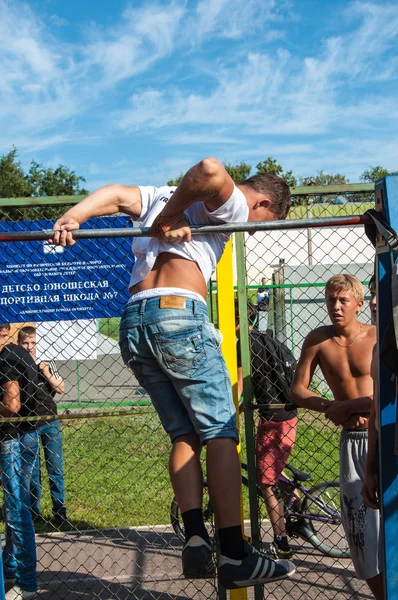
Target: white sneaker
{"type": "Point", "coordinates": [15, 593]}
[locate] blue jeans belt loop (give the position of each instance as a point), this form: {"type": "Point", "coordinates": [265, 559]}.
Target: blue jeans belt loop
{"type": "Point", "coordinates": [142, 309]}
{"type": "Point", "coordinates": [195, 307]}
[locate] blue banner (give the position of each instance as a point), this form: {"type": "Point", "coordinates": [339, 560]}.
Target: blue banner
{"type": "Point", "coordinates": [42, 282]}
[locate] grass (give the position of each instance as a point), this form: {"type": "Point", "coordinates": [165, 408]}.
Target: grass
{"type": "Point", "coordinates": [316, 450]}
{"type": "Point", "coordinates": [320, 211]}
{"type": "Point", "coordinates": [116, 469]}
{"type": "Point", "coordinates": [110, 327]}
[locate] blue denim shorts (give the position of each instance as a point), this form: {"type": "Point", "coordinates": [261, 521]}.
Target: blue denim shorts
{"type": "Point", "coordinates": [176, 357]}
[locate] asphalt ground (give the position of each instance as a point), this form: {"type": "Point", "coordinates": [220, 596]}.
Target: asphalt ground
{"type": "Point", "coordinates": [145, 564]}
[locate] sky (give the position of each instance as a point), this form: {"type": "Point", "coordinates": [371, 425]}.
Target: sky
{"type": "Point", "coordinates": [137, 92]}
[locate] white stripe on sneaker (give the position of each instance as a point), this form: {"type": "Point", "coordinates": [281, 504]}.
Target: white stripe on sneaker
{"type": "Point", "coordinates": [268, 570]}
{"type": "Point", "coordinates": [264, 571]}
{"type": "Point", "coordinates": [258, 567]}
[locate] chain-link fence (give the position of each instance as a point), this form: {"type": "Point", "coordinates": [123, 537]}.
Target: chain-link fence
{"type": "Point", "coordinates": [286, 272]}
{"type": "Point", "coordinates": [102, 513]}
{"type": "Point", "coordinates": [101, 499]}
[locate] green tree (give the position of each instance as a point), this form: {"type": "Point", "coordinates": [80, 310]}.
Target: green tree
{"type": "Point", "coordinates": [322, 178]}
{"type": "Point", "coordinates": [238, 172]}
{"type": "Point", "coordinates": [13, 182]}
{"type": "Point", "coordinates": [270, 165]}
{"type": "Point", "coordinates": [175, 181]}
{"type": "Point", "coordinates": [54, 182]}
{"type": "Point", "coordinates": [375, 173]}
{"type": "Point", "coordinates": [38, 181]}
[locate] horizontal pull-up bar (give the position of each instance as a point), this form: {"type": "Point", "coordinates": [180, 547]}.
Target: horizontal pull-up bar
{"type": "Point", "coordinates": [46, 234]}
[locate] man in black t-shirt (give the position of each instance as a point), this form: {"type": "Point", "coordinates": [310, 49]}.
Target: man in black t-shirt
{"type": "Point", "coordinates": [19, 448]}
{"type": "Point", "coordinates": [272, 366]}
{"type": "Point", "coordinates": [49, 431]}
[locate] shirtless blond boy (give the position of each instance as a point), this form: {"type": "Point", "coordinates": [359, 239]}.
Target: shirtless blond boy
{"type": "Point", "coordinates": [343, 352]}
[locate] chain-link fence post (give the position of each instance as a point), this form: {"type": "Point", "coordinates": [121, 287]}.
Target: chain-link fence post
{"type": "Point", "coordinates": [247, 395]}
{"type": "Point", "coordinates": [226, 319]}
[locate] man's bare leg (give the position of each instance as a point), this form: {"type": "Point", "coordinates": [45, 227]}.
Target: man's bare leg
{"type": "Point", "coordinates": [224, 480]}
{"type": "Point", "coordinates": [376, 585]}
{"type": "Point", "coordinates": [276, 513]}
{"type": "Point", "coordinates": [186, 472]}
{"type": "Point", "coordinates": [187, 479]}
{"type": "Point", "coordinates": [275, 510]}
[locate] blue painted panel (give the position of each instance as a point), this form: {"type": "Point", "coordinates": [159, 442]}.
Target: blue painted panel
{"type": "Point", "coordinates": [387, 397]}
{"type": "Point", "coordinates": [41, 282]}
{"type": "Point", "coordinates": [2, 590]}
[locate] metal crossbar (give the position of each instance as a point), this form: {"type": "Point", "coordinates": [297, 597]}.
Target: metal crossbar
{"type": "Point", "coordinates": [16, 236]}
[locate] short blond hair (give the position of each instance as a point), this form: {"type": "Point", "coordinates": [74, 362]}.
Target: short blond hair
{"type": "Point", "coordinates": [344, 283]}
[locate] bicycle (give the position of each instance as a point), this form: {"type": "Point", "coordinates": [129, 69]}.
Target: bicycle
{"type": "Point", "coordinates": [315, 517]}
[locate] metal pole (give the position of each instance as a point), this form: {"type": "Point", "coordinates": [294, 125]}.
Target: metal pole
{"type": "Point", "coordinates": [387, 202]}
{"type": "Point", "coordinates": [278, 277]}
{"type": "Point", "coordinates": [309, 233]}
{"type": "Point", "coordinates": [47, 234]}
{"type": "Point", "coordinates": [247, 396]}
{"type": "Point", "coordinates": [226, 319]}
{"type": "Point", "coordinates": [291, 318]}
{"type": "Point", "coordinates": [2, 590]}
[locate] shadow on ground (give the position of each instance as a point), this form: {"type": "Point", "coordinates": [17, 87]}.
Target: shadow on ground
{"type": "Point", "coordinates": [145, 564]}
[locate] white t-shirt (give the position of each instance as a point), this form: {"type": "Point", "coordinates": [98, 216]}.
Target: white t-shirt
{"type": "Point", "coordinates": [205, 250]}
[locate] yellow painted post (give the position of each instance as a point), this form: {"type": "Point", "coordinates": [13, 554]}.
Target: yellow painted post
{"type": "Point", "coordinates": [226, 324]}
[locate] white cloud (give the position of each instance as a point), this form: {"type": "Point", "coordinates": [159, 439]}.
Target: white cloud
{"type": "Point", "coordinates": [187, 139]}
{"type": "Point", "coordinates": [56, 21]}
{"type": "Point", "coordinates": [202, 77]}
{"type": "Point", "coordinates": [43, 86]}
{"type": "Point", "coordinates": [278, 93]}
{"type": "Point", "coordinates": [142, 37]}
{"type": "Point", "coordinates": [35, 92]}
{"type": "Point", "coordinates": [237, 19]}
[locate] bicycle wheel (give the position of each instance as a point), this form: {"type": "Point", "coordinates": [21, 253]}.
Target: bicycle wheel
{"type": "Point", "coordinates": [208, 517]}
{"type": "Point", "coordinates": [323, 501]}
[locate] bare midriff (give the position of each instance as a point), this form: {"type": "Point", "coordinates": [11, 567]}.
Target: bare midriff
{"type": "Point", "coordinates": [172, 271]}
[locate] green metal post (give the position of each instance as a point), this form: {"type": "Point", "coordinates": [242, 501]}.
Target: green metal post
{"type": "Point", "coordinates": [291, 318]}
{"type": "Point", "coordinates": [209, 300]}
{"type": "Point", "coordinates": [247, 395]}
{"type": "Point", "coordinates": [279, 303]}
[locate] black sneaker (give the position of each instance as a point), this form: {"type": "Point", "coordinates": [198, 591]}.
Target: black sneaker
{"type": "Point", "coordinates": [301, 528]}
{"type": "Point", "coordinates": [197, 559]}
{"type": "Point", "coordinates": [59, 519]}
{"type": "Point", "coordinates": [282, 548]}
{"type": "Point", "coordinates": [38, 518]}
{"type": "Point", "coordinates": [254, 569]}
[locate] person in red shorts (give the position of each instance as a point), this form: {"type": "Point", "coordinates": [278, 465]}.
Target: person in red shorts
{"type": "Point", "coordinates": [272, 367]}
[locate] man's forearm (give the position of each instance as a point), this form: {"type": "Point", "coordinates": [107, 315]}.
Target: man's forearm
{"type": "Point", "coordinates": [57, 385]}
{"type": "Point", "coordinates": [309, 400]}
{"type": "Point", "coordinates": [11, 403]}
{"type": "Point", "coordinates": [102, 202]}
{"type": "Point", "coordinates": [361, 406]}
{"type": "Point", "coordinates": [6, 411]}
